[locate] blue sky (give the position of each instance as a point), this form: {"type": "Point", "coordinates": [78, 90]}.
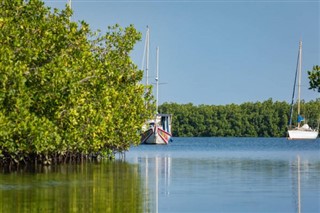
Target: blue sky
{"type": "Point", "coordinates": [217, 52]}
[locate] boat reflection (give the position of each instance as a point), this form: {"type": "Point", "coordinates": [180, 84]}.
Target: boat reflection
{"type": "Point", "coordinates": [296, 181]}
{"type": "Point", "coordinates": [155, 171]}
{"type": "Point", "coordinates": [171, 184]}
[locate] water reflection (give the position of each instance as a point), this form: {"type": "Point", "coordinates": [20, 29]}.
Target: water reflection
{"type": "Point", "coordinates": [301, 170]}
{"type": "Point", "coordinates": [106, 187]}
{"type": "Point", "coordinates": [176, 178]}
{"type": "Point", "coordinates": [156, 174]}
{"type": "Point", "coordinates": [228, 184]}
{"type": "Point", "coordinates": [298, 185]}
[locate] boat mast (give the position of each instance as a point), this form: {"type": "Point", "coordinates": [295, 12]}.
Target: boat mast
{"type": "Point", "coordinates": [157, 81]}
{"type": "Point", "coordinates": [299, 78]}
{"type": "Point", "coordinates": [147, 56]}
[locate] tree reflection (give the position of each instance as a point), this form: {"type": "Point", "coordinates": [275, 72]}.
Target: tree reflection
{"type": "Point", "coordinates": [106, 187]}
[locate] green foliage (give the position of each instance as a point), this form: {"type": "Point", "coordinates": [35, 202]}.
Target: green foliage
{"type": "Point", "coordinates": [65, 90]}
{"type": "Point", "coordinates": [260, 119]}
{"type": "Point", "coordinates": [314, 78]}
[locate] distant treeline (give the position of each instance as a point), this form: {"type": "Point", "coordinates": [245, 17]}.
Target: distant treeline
{"type": "Point", "coordinates": [259, 119]}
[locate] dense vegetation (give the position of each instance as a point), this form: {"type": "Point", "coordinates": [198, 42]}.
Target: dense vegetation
{"type": "Point", "coordinates": [260, 119]}
{"type": "Point", "coordinates": [65, 92]}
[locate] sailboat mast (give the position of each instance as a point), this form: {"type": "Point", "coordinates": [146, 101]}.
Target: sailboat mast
{"type": "Point", "coordinates": [147, 56]}
{"type": "Point", "coordinates": [157, 81]}
{"type": "Point", "coordinates": [299, 76]}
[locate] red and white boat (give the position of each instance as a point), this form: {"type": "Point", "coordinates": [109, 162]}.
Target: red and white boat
{"type": "Point", "coordinates": [158, 130]}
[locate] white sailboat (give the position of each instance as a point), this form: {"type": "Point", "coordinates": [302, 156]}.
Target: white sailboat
{"type": "Point", "coordinates": [157, 130]}
{"type": "Point", "coordinates": [300, 131]}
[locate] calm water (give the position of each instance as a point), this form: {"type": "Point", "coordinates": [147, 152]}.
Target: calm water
{"type": "Point", "coordinates": [189, 175]}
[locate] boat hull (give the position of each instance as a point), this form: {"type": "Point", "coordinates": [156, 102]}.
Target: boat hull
{"type": "Point", "coordinates": [297, 134]}
{"type": "Point", "coordinates": [158, 131]}
{"type": "Point", "coordinates": [156, 136]}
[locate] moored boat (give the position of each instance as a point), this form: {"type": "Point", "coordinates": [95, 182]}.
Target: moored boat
{"type": "Point", "coordinates": [158, 130]}
{"type": "Point", "coordinates": [304, 131]}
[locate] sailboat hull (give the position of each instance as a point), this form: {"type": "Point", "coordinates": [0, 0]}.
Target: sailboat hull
{"type": "Point", "coordinates": [159, 130]}
{"type": "Point", "coordinates": [156, 136]}
{"type": "Point", "coordinates": [298, 134]}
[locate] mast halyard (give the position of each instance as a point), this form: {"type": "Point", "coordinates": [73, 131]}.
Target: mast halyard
{"type": "Point", "coordinates": [298, 84]}
{"type": "Point", "coordinates": [293, 92]}
{"type": "Point", "coordinates": [157, 81]}
{"type": "Point", "coordinates": [299, 79]}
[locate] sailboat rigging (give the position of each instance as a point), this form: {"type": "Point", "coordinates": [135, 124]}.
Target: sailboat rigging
{"type": "Point", "coordinates": [304, 131]}
{"type": "Point", "coordinates": [158, 129]}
